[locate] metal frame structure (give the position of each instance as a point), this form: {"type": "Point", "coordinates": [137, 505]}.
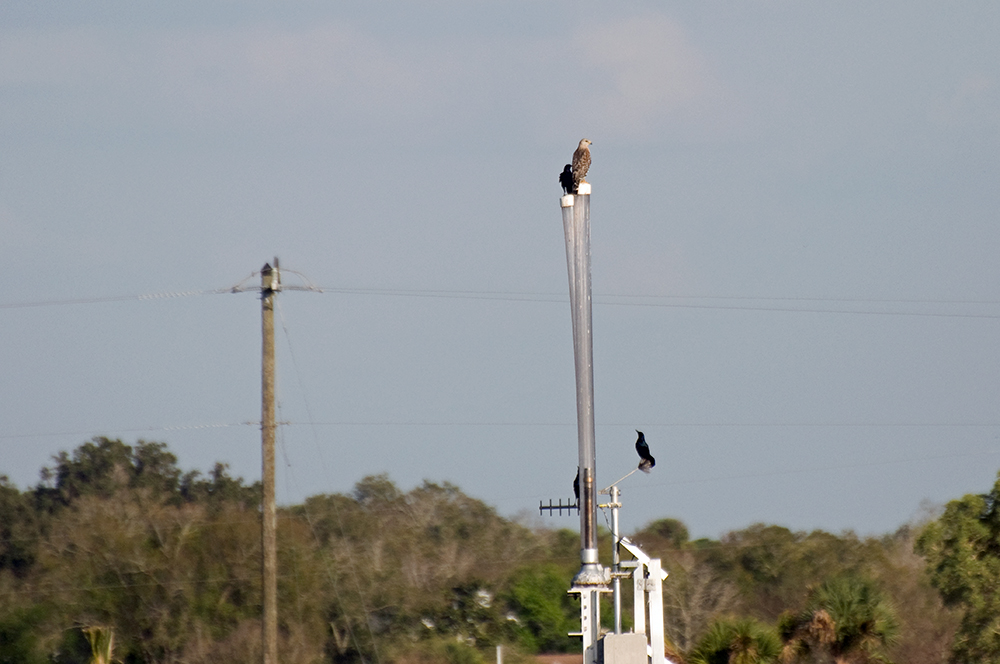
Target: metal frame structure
{"type": "Point", "coordinates": [647, 579]}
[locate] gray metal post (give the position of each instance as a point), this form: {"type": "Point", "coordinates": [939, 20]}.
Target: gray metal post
{"type": "Point", "coordinates": [592, 578]}
{"type": "Point", "coordinates": [576, 225]}
{"type": "Point", "coordinates": [616, 582]}
{"type": "Point", "coordinates": [639, 599]}
{"type": "Point", "coordinates": [656, 627]}
{"type": "Point", "coordinates": [270, 284]}
{"type": "Point", "coordinates": [582, 312]}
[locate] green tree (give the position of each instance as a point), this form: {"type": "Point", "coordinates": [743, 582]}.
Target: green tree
{"type": "Point", "coordinates": [774, 566]}
{"type": "Point", "coordinates": [116, 535]}
{"type": "Point", "coordinates": [19, 530]}
{"type": "Point", "coordinates": [19, 636]}
{"type": "Point", "coordinates": [694, 595]}
{"type": "Point", "coordinates": [668, 532]}
{"type": "Point", "coordinates": [847, 617]}
{"type": "Point", "coordinates": [425, 564]}
{"type": "Point", "coordinates": [962, 549]}
{"type": "Point", "coordinates": [545, 612]}
{"type": "Point", "coordinates": [927, 627]}
{"type": "Point", "coordinates": [104, 466]}
{"type": "Point", "coordinates": [219, 489]}
{"type": "Point", "coordinates": [175, 580]}
{"type": "Point", "coordinates": [737, 641]}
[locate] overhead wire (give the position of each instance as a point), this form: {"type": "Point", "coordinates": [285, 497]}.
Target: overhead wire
{"type": "Point", "coordinates": [608, 299]}
{"type": "Point", "coordinates": [108, 430]}
{"type": "Point", "coordinates": [111, 298]}
{"type": "Point", "coordinates": [612, 300]}
{"type": "Point", "coordinates": [328, 564]}
{"type": "Point", "coordinates": [694, 481]}
{"type": "Point", "coordinates": [685, 302]}
{"type": "Point", "coordinates": [700, 480]}
{"type": "Point", "coordinates": [669, 301]}
{"type": "Point", "coordinates": [836, 466]}
{"type": "Point", "coordinates": [411, 423]}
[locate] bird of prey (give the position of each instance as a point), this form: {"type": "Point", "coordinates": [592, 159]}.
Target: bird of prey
{"type": "Point", "coordinates": [576, 485]}
{"type": "Point", "coordinates": [566, 180]}
{"type": "Point", "coordinates": [646, 460]}
{"type": "Point", "coordinates": [581, 162]}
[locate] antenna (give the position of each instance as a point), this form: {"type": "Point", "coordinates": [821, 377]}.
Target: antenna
{"type": "Point", "coordinates": [647, 577]}
{"type": "Point", "coordinates": [569, 507]}
{"type": "Point", "coordinates": [616, 573]}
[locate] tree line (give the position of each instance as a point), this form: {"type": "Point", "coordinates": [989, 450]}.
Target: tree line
{"type": "Point", "coordinates": [117, 548]}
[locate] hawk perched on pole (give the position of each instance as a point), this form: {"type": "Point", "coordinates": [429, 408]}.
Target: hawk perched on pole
{"type": "Point", "coordinates": [581, 162]}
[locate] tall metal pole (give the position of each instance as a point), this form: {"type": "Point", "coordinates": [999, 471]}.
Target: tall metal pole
{"type": "Point", "coordinates": [576, 225]}
{"type": "Point", "coordinates": [592, 577]}
{"type": "Point", "coordinates": [585, 384]}
{"type": "Point", "coordinates": [270, 284]}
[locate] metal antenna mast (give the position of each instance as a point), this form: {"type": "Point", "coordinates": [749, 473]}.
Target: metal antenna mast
{"type": "Point", "coordinates": [616, 559]}
{"type": "Point", "coordinates": [592, 579]}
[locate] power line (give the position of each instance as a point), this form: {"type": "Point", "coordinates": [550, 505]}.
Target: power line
{"type": "Point", "coordinates": [408, 423]}
{"type": "Point", "coordinates": [611, 299]}
{"type": "Point", "coordinates": [413, 423]}
{"type": "Point", "coordinates": [562, 298]}
{"type": "Point", "coordinates": [828, 467]}
{"type": "Point", "coordinates": [102, 431]}
{"type": "Point", "coordinates": [693, 479]}
{"type": "Point", "coordinates": [327, 559]}
{"type": "Point", "coordinates": [855, 312]}
{"type": "Point", "coordinates": [288, 468]}
{"type": "Point", "coordinates": [110, 298]}
{"type": "Point", "coordinates": [688, 480]}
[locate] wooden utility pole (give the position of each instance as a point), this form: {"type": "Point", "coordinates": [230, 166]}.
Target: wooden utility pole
{"type": "Point", "coordinates": [270, 284]}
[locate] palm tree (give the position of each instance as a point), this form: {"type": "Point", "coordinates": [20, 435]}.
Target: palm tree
{"type": "Point", "coordinates": [847, 617]}
{"type": "Point", "coordinates": [737, 641]}
{"type": "Point", "coordinates": [102, 643]}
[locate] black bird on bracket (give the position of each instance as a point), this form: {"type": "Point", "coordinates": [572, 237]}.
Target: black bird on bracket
{"type": "Point", "coordinates": [646, 460]}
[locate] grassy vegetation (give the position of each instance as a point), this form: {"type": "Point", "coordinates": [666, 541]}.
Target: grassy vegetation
{"type": "Point", "coordinates": [117, 542]}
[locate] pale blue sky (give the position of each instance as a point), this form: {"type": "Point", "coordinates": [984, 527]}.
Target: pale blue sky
{"type": "Point", "coordinates": [755, 165]}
